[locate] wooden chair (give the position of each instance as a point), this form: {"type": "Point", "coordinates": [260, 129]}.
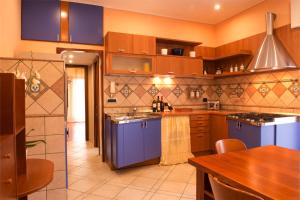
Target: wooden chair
{"type": "Point", "coordinates": [229, 145]}
{"type": "Point", "coordinates": [222, 191]}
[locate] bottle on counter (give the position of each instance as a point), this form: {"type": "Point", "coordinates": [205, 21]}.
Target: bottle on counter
{"type": "Point", "coordinates": [158, 104]}
{"type": "Point", "coordinates": [154, 108]}
{"type": "Point", "coordinates": [162, 104]}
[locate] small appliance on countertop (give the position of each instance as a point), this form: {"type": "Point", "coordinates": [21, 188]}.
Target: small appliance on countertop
{"type": "Point", "coordinates": [213, 105]}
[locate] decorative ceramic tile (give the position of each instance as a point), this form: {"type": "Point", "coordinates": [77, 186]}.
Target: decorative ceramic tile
{"type": "Point", "coordinates": [50, 74]}
{"type": "Point", "coordinates": [126, 91]}
{"type": "Point", "coordinates": [209, 91]}
{"type": "Point", "coordinates": [264, 89]}
{"type": "Point", "coordinates": [251, 90]}
{"type": "Point", "coordinates": [139, 91]}
{"type": "Point", "coordinates": [49, 101]}
{"type": "Point", "coordinates": [177, 91]}
{"type": "Point", "coordinates": [219, 91]}
{"type": "Point", "coordinates": [165, 91]}
{"type": "Point", "coordinates": [279, 89]}
{"type": "Point", "coordinates": [153, 91]}
{"type": "Point", "coordinates": [238, 90]}
{"type": "Point", "coordinates": [107, 91]}
{"type": "Point", "coordinates": [59, 87]}
{"type": "Point", "coordinates": [295, 88]}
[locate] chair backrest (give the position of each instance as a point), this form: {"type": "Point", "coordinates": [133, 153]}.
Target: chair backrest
{"type": "Point", "coordinates": [229, 145]}
{"type": "Point", "coordinates": [222, 191]}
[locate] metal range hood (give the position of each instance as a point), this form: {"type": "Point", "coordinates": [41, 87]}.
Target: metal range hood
{"type": "Point", "coordinates": [271, 55]}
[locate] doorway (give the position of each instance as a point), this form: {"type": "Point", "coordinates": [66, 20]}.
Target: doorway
{"type": "Point", "coordinates": [83, 75]}
{"type": "Point", "coordinates": [77, 103]}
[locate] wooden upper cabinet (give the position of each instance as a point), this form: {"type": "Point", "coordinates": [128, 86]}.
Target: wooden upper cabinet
{"type": "Point", "coordinates": [169, 65]}
{"type": "Point", "coordinates": [119, 42]}
{"type": "Point", "coordinates": [193, 67]}
{"type": "Point", "coordinates": [145, 45]}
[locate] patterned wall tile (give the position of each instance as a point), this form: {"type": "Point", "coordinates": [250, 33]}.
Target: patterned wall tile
{"type": "Point", "coordinates": [219, 91]}
{"type": "Point", "coordinates": [279, 89]}
{"type": "Point", "coordinates": [153, 91]}
{"type": "Point", "coordinates": [264, 89]}
{"type": "Point", "coordinates": [58, 87]}
{"type": "Point", "coordinates": [295, 88]}
{"type": "Point", "coordinates": [126, 91]}
{"type": "Point", "coordinates": [139, 91]}
{"type": "Point", "coordinates": [177, 91]}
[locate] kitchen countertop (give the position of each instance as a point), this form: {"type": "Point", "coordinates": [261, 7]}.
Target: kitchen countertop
{"type": "Point", "coordinates": [198, 112]}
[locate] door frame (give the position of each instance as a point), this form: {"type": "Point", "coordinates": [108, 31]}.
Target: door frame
{"type": "Point", "coordinates": [86, 97]}
{"type": "Point", "coordinates": [97, 85]}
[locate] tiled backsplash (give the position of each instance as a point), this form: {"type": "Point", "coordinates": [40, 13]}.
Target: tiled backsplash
{"type": "Point", "coordinates": [260, 92]}
{"type": "Point", "coordinates": [45, 117]}
{"type": "Point", "coordinates": [140, 91]}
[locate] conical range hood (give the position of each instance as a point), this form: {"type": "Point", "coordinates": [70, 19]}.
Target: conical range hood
{"type": "Point", "coordinates": [271, 55]}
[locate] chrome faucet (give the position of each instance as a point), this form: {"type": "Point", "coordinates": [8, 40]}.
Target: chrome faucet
{"type": "Point", "coordinates": [133, 112]}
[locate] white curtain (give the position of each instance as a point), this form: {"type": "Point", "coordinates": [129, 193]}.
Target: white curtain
{"type": "Point", "coordinates": [76, 95]}
{"type": "Point", "coordinates": [176, 143]}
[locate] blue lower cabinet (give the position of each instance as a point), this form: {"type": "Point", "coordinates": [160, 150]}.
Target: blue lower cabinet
{"type": "Point", "coordinates": [288, 135]}
{"type": "Point", "coordinates": [152, 139]}
{"type": "Point", "coordinates": [252, 136]}
{"type": "Point", "coordinates": [135, 142]}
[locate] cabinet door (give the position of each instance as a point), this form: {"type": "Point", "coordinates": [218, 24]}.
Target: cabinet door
{"type": "Point", "coordinates": [119, 42]}
{"type": "Point", "coordinates": [85, 23]}
{"type": "Point", "coordinates": [193, 67]}
{"type": "Point", "coordinates": [152, 139]}
{"type": "Point", "coordinates": [40, 20]}
{"type": "Point", "coordinates": [145, 45]}
{"type": "Point", "coordinates": [133, 150]}
{"type": "Point", "coordinates": [199, 128]}
{"type": "Point", "coordinates": [218, 129]}
{"type": "Point", "coordinates": [169, 65]}
{"type": "Point", "coordinates": [7, 168]}
{"type": "Point", "coordinates": [117, 63]}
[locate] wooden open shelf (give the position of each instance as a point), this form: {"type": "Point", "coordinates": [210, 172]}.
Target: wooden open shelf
{"type": "Point", "coordinates": [39, 174]}
{"type": "Point", "coordinates": [177, 42]}
{"type": "Point", "coordinates": [239, 53]}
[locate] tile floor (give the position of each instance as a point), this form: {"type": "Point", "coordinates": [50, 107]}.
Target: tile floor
{"type": "Point", "coordinates": [91, 179]}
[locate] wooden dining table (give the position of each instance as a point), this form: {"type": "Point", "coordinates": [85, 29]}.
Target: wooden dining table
{"type": "Point", "coordinates": [270, 172]}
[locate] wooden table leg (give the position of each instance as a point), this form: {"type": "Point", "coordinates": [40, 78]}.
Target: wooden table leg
{"type": "Point", "coordinates": [199, 184]}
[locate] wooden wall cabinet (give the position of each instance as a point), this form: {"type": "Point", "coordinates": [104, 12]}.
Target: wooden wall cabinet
{"type": "Point", "coordinates": [119, 42]}
{"type": "Point", "coordinates": [179, 66]}
{"type": "Point", "coordinates": [145, 45]}
{"type": "Point", "coordinates": [199, 127]}
{"type": "Point", "coordinates": [218, 129]}
{"type": "Point", "coordinates": [119, 63]}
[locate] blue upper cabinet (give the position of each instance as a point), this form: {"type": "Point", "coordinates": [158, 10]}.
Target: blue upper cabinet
{"type": "Point", "coordinates": [85, 23]}
{"type": "Point", "coordinates": [40, 20]}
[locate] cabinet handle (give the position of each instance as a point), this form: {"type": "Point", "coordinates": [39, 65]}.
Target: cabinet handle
{"type": "Point", "coordinates": [144, 52]}
{"type": "Point", "coordinates": [121, 50]}
{"type": "Point", "coordinates": [7, 156]}
{"type": "Point", "coordinates": [70, 38]}
{"type": "Point", "coordinates": [170, 72]}
{"type": "Point", "coordinates": [146, 124]}
{"type": "Point", "coordinates": [142, 124]}
{"type": "Point", "coordinates": [57, 37]}
{"type": "Point", "coordinates": [132, 71]}
{"type": "Point", "coordinates": [194, 74]}
{"type": "Point", "coordinates": [8, 181]}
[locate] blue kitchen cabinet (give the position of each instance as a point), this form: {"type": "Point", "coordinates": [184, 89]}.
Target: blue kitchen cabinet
{"type": "Point", "coordinates": [152, 139]}
{"type": "Point", "coordinates": [288, 135]}
{"type": "Point", "coordinates": [40, 20]}
{"type": "Point", "coordinates": [85, 23]}
{"type": "Point", "coordinates": [135, 142]}
{"type": "Point", "coordinates": [252, 136]}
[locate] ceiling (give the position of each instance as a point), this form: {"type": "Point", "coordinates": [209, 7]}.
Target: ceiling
{"type": "Point", "coordinates": [192, 10]}
{"type": "Point", "coordinates": [79, 58]}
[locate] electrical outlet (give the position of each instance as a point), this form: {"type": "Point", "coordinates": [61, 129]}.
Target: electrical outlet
{"type": "Point", "coordinates": [111, 100]}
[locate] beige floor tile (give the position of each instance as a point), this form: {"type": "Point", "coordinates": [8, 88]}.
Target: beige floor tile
{"type": "Point", "coordinates": [172, 187]}
{"type": "Point", "coordinates": [143, 183]}
{"type": "Point", "coordinates": [122, 180]}
{"type": "Point", "coordinates": [94, 197]}
{"type": "Point", "coordinates": [131, 194]}
{"type": "Point", "coordinates": [108, 190]}
{"type": "Point", "coordinates": [56, 194]}
{"type": "Point", "coordinates": [83, 185]}
{"type": "Point", "coordinates": [72, 194]}
{"type": "Point", "coordinates": [190, 190]}
{"type": "Point", "coordinates": [164, 197]}
{"type": "Point", "coordinates": [73, 178]}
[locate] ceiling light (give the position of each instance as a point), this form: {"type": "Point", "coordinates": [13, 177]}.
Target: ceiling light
{"type": "Point", "coordinates": [71, 56]}
{"type": "Point", "coordinates": [63, 14]}
{"type": "Point", "coordinates": [70, 61]}
{"type": "Point", "coordinates": [217, 6]}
